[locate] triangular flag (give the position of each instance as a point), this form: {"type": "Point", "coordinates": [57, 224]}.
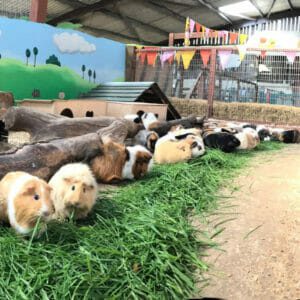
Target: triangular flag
{"type": "Point", "coordinates": [242, 51]}
{"type": "Point", "coordinates": [224, 57]}
{"type": "Point", "coordinates": [166, 55]}
{"type": "Point", "coordinates": [178, 56]}
{"type": "Point", "coordinates": [187, 56]}
{"type": "Point", "coordinates": [192, 25]}
{"type": "Point", "coordinates": [243, 38]}
{"type": "Point", "coordinates": [232, 37]}
{"type": "Point", "coordinates": [198, 27]}
{"type": "Point", "coordinates": [139, 46]}
{"type": "Point", "coordinates": [263, 53]}
{"type": "Point", "coordinates": [205, 55]}
{"type": "Point", "coordinates": [203, 29]}
{"type": "Point", "coordinates": [207, 32]}
{"type": "Point", "coordinates": [291, 55]}
{"type": "Point", "coordinates": [151, 57]}
{"type": "Point", "coordinates": [142, 57]}
{"type": "Point", "coordinates": [170, 60]}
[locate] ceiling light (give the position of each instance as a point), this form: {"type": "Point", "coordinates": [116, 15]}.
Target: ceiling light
{"type": "Point", "coordinates": [244, 7]}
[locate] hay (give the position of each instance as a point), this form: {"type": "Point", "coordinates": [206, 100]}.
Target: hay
{"type": "Point", "coordinates": [247, 112]}
{"type": "Point", "coordinates": [18, 138]}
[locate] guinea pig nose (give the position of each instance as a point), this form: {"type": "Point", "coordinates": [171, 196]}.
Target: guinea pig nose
{"type": "Point", "coordinates": [46, 213]}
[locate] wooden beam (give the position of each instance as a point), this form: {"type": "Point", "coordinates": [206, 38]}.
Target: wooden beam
{"type": "Point", "coordinates": [38, 11]}
{"type": "Point", "coordinates": [215, 10]}
{"type": "Point", "coordinates": [135, 21]}
{"type": "Point", "coordinates": [113, 35]}
{"type": "Point", "coordinates": [270, 10]}
{"type": "Point", "coordinates": [290, 4]}
{"type": "Point", "coordinates": [80, 11]}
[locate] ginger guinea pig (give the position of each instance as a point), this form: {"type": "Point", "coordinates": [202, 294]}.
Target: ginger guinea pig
{"type": "Point", "coordinates": [23, 200]}
{"type": "Point", "coordinates": [74, 191]}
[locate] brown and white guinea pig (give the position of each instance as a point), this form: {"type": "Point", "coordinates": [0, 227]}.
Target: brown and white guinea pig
{"type": "Point", "coordinates": [116, 162]}
{"type": "Point", "coordinates": [74, 191]}
{"type": "Point", "coordinates": [249, 139]}
{"type": "Point", "coordinates": [290, 136]}
{"type": "Point", "coordinates": [23, 200]}
{"type": "Point", "coordinates": [172, 151]}
{"type": "Point", "coordinates": [147, 139]}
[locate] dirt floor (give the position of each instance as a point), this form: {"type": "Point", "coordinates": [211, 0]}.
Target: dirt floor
{"type": "Point", "coordinates": [259, 255]}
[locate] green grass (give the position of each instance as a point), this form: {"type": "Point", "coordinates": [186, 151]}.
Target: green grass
{"type": "Point", "coordinates": [20, 79]}
{"type": "Point", "coordinates": [137, 244]}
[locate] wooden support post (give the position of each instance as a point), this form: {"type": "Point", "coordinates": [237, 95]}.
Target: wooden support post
{"type": "Point", "coordinates": [211, 84]}
{"type": "Point", "coordinates": [38, 11]}
{"type": "Point", "coordinates": [171, 39]}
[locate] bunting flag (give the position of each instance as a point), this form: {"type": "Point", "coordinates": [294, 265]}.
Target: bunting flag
{"type": "Point", "coordinates": [224, 57]}
{"type": "Point", "coordinates": [243, 38]}
{"type": "Point", "coordinates": [187, 32]}
{"type": "Point", "coordinates": [187, 57]}
{"type": "Point", "coordinates": [166, 56]}
{"type": "Point", "coordinates": [142, 57]}
{"type": "Point", "coordinates": [178, 56]}
{"type": "Point", "coordinates": [242, 49]}
{"type": "Point", "coordinates": [151, 57]}
{"type": "Point", "coordinates": [207, 32]}
{"type": "Point", "coordinates": [233, 37]}
{"type": "Point", "coordinates": [205, 55]}
{"type": "Point", "coordinates": [291, 55]}
{"type": "Point", "coordinates": [192, 25]}
{"type": "Point", "coordinates": [198, 27]}
{"type": "Point", "coordinates": [263, 53]}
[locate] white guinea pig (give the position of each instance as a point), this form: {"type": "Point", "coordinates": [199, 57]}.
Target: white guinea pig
{"type": "Point", "coordinates": [23, 200]}
{"type": "Point", "coordinates": [74, 190]}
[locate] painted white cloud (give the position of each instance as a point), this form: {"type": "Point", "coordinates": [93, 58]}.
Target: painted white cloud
{"type": "Point", "coordinates": [0, 32]}
{"type": "Point", "coordinates": [72, 43]}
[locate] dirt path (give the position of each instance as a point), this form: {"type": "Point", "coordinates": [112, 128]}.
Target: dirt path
{"type": "Point", "coordinates": [261, 257]}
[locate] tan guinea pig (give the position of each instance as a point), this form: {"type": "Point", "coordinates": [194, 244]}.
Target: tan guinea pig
{"type": "Point", "coordinates": [23, 199]}
{"type": "Point", "coordinates": [74, 190]}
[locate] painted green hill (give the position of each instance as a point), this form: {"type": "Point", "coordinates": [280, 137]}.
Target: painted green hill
{"type": "Point", "coordinates": [21, 80]}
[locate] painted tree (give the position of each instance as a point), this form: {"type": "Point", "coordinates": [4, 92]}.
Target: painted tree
{"type": "Point", "coordinates": [53, 60]}
{"type": "Point", "coordinates": [90, 74]}
{"type": "Point", "coordinates": [28, 53]}
{"type": "Point", "coordinates": [94, 76]}
{"type": "Point", "coordinates": [83, 68]}
{"type": "Point", "coordinates": [35, 53]}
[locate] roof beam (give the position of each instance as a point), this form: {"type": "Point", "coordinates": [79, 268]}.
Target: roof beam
{"type": "Point", "coordinates": [257, 8]}
{"type": "Point", "coordinates": [290, 4]}
{"type": "Point", "coordinates": [80, 11]}
{"type": "Point", "coordinates": [215, 10]}
{"type": "Point", "coordinates": [112, 34]}
{"type": "Point", "coordinates": [270, 10]}
{"type": "Point", "coordinates": [138, 22]}
{"type": "Point", "coordinates": [165, 10]}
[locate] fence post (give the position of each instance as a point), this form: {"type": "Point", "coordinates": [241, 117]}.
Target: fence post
{"type": "Point", "coordinates": [211, 84]}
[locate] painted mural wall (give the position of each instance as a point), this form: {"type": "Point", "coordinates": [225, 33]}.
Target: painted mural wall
{"type": "Point", "coordinates": [44, 62]}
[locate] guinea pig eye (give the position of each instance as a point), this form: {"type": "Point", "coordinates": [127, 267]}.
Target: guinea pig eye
{"type": "Point", "coordinates": [84, 190]}
{"type": "Point", "coordinates": [36, 197]}
{"type": "Point", "coordinates": [73, 188]}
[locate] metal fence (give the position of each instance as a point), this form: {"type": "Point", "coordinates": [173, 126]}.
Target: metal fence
{"type": "Point", "coordinates": [261, 77]}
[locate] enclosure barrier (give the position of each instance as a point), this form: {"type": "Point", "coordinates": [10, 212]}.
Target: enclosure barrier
{"type": "Point", "coordinates": [263, 76]}
{"type": "Point", "coordinates": [279, 115]}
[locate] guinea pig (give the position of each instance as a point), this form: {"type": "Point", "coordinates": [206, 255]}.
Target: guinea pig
{"type": "Point", "coordinates": [147, 139]}
{"type": "Point", "coordinates": [172, 151]}
{"type": "Point", "coordinates": [286, 136]}
{"type": "Point", "coordinates": [224, 141]}
{"type": "Point", "coordinates": [117, 162]}
{"type": "Point", "coordinates": [136, 118]}
{"type": "Point", "coordinates": [74, 191]}
{"type": "Point", "coordinates": [23, 200]}
{"type": "Point", "coordinates": [249, 139]}
{"type": "Point", "coordinates": [263, 133]}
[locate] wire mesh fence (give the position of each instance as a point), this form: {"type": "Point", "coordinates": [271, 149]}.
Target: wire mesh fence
{"type": "Point", "coordinates": [270, 76]}
{"type": "Point", "coordinates": [17, 9]}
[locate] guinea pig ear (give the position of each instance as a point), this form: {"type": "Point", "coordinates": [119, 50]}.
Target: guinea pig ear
{"type": "Point", "coordinates": [127, 154]}
{"type": "Point", "coordinates": [30, 190]}
{"type": "Point", "coordinates": [67, 179]}
{"type": "Point", "coordinates": [143, 157]}
{"type": "Point", "coordinates": [137, 120]}
{"type": "Point", "coordinates": [140, 113]}
{"type": "Point", "coordinates": [156, 115]}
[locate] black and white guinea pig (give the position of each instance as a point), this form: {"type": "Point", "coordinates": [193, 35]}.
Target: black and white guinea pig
{"type": "Point", "coordinates": [136, 118]}
{"type": "Point", "coordinates": [224, 141]}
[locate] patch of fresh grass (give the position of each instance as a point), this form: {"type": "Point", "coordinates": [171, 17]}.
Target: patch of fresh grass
{"type": "Point", "coordinates": [137, 244]}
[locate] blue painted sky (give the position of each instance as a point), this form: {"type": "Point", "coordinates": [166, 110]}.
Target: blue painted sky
{"type": "Point", "coordinates": [105, 56]}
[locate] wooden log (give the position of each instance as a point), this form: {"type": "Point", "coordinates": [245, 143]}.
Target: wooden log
{"type": "Point", "coordinates": [43, 159]}
{"type": "Point", "coordinates": [45, 127]}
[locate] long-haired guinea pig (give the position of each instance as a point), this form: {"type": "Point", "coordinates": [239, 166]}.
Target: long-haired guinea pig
{"type": "Point", "coordinates": [74, 191]}
{"type": "Point", "coordinates": [23, 200]}
{"type": "Point", "coordinates": [172, 151]}
{"type": "Point", "coordinates": [147, 139]}
{"type": "Point", "coordinates": [116, 162]}
{"type": "Point", "coordinates": [286, 136]}
{"type": "Point", "coordinates": [224, 141]}
{"type": "Point", "coordinates": [249, 139]}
